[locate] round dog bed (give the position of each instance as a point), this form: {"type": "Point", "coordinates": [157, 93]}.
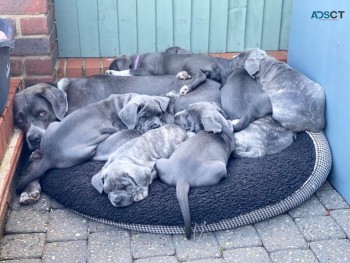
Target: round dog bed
{"type": "Point", "coordinates": [254, 190]}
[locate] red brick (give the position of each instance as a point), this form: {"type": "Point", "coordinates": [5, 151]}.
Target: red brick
{"type": "Point", "coordinates": [105, 63]}
{"type": "Point", "coordinates": [14, 85]}
{"type": "Point", "coordinates": [74, 68]}
{"type": "Point", "coordinates": [6, 116]}
{"type": "Point", "coordinates": [38, 66]}
{"type": "Point", "coordinates": [25, 46]}
{"type": "Point", "coordinates": [2, 139]}
{"type": "Point", "coordinates": [214, 55]}
{"type": "Point", "coordinates": [30, 81]}
{"type": "Point", "coordinates": [228, 55]}
{"type": "Point", "coordinates": [279, 55]}
{"type": "Point", "coordinates": [92, 66]}
{"type": "Point", "coordinates": [34, 25]}
{"type": "Point", "coordinates": [15, 67]}
{"type": "Point", "coordinates": [24, 7]}
{"type": "Point", "coordinates": [61, 68]}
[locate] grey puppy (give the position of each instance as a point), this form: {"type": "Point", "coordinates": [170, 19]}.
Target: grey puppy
{"type": "Point", "coordinates": [131, 168]}
{"type": "Point", "coordinates": [262, 137]}
{"type": "Point", "coordinates": [39, 105]}
{"type": "Point", "coordinates": [64, 144]}
{"type": "Point", "coordinates": [186, 66]}
{"type": "Point", "coordinates": [298, 103]}
{"type": "Point", "coordinates": [202, 159]}
{"type": "Point", "coordinates": [243, 100]}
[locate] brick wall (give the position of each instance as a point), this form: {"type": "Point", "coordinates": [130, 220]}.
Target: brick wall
{"type": "Point", "coordinates": [34, 56]}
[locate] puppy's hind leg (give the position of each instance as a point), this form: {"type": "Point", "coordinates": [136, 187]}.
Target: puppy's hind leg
{"type": "Point", "coordinates": [197, 78]}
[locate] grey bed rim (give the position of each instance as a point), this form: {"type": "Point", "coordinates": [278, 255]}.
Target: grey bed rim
{"type": "Point", "coordinates": [322, 166]}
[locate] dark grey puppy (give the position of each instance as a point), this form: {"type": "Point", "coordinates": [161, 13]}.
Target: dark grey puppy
{"type": "Point", "coordinates": [196, 67]}
{"type": "Point", "coordinates": [39, 105]}
{"type": "Point", "coordinates": [262, 137]}
{"type": "Point", "coordinates": [131, 168]}
{"type": "Point", "coordinates": [298, 103]}
{"type": "Point", "coordinates": [243, 100]}
{"type": "Point", "coordinates": [64, 144]}
{"type": "Point", "coordinates": [177, 50]}
{"type": "Point", "coordinates": [202, 159]}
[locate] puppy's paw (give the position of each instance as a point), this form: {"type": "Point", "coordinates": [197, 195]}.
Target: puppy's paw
{"type": "Point", "coordinates": [183, 75]}
{"type": "Point", "coordinates": [110, 72]}
{"type": "Point", "coordinates": [184, 90]}
{"type": "Point", "coordinates": [140, 195]}
{"type": "Point", "coordinates": [35, 155]}
{"type": "Point", "coordinates": [29, 198]}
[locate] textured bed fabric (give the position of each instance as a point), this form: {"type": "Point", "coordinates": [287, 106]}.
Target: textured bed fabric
{"type": "Point", "coordinates": [254, 190]}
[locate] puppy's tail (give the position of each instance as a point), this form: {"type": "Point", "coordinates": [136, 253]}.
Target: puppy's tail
{"type": "Point", "coordinates": [182, 188]}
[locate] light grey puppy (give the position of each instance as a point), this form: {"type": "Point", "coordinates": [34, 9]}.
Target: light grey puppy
{"type": "Point", "coordinates": [298, 103]}
{"type": "Point", "coordinates": [262, 137]}
{"type": "Point", "coordinates": [202, 159]}
{"type": "Point", "coordinates": [130, 170]}
{"type": "Point", "coordinates": [65, 144]}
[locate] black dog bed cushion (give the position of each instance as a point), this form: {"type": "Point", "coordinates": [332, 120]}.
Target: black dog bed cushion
{"type": "Point", "coordinates": [254, 190]}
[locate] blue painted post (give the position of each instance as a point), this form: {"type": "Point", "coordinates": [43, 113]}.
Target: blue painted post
{"type": "Point", "coordinates": [319, 47]}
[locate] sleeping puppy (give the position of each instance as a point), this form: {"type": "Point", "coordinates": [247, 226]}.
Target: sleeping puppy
{"type": "Point", "coordinates": [177, 50]}
{"type": "Point", "coordinates": [298, 103]}
{"type": "Point", "coordinates": [262, 137]}
{"type": "Point", "coordinates": [37, 106]}
{"type": "Point", "coordinates": [131, 168]}
{"type": "Point", "coordinates": [186, 66]}
{"type": "Point", "coordinates": [202, 159]}
{"type": "Point", "coordinates": [242, 98]}
{"type": "Point", "coordinates": [65, 144]}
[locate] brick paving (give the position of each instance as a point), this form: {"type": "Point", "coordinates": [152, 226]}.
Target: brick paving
{"type": "Point", "coordinates": [316, 231]}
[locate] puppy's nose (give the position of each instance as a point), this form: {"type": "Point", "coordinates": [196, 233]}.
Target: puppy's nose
{"type": "Point", "coordinates": [34, 139]}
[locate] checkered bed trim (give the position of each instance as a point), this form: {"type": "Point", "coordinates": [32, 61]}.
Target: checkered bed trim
{"type": "Point", "coordinates": [323, 163]}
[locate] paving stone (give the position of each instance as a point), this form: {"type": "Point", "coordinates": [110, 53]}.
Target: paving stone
{"type": "Point", "coordinates": [43, 204]}
{"type": "Point", "coordinates": [334, 250]}
{"type": "Point", "coordinates": [27, 260]}
{"type": "Point", "coordinates": [145, 245]}
{"type": "Point", "coordinates": [112, 246]}
{"type": "Point", "coordinates": [293, 255]}
{"type": "Point", "coordinates": [249, 254]}
{"type": "Point", "coordinates": [245, 236]}
{"type": "Point", "coordinates": [95, 226]}
{"type": "Point", "coordinates": [65, 225]}
{"type": "Point", "coordinates": [326, 186]}
{"type": "Point", "coordinates": [280, 233]}
{"type": "Point", "coordinates": [331, 199]}
{"type": "Point", "coordinates": [166, 259]}
{"type": "Point", "coordinates": [319, 227]}
{"type": "Point", "coordinates": [67, 252]}
{"type": "Point", "coordinates": [19, 246]}
{"type": "Point", "coordinates": [311, 207]}
{"type": "Point", "coordinates": [208, 260]}
{"type": "Point", "coordinates": [27, 221]}
{"type": "Point", "coordinates": [342, 217]}
{"type": "Point", "coordinates": [199, 247]}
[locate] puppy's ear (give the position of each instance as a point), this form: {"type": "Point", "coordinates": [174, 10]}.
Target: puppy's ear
{"type": "Point", "coordinates": [219, 109]}
{"type": "Point", "coordinates": [97, 182]}
{"type": "Point", "coordinates": [252, 66]}
{"type": "Point", "coordinates": [57, 99]}
{"type": "Point", "coordinates": [128, 115]}
{"type": "Point", "coordinates": [211, 125]}
{"type": "Point", "coordinates": [163, 102]}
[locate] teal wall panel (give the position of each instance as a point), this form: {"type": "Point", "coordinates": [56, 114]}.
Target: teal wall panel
{"type": "Point", "coordinates": [146, 26]}
{"type": "Point", "coordinates": [105, 28]}
{"type": "Point", "coordinates": [164, 24]}
{"type": "Point", "coordinates": [218, 26]}
{"type": "Point", "coordinates": [89, 44]}
{"type": "Point", "coordinates": [108, 27]}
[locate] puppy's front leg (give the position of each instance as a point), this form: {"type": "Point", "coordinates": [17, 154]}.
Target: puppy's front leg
{"type": "Point", "coordinates": [31, 193]}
